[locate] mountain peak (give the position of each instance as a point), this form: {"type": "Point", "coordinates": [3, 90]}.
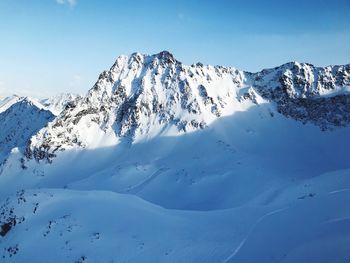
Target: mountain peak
{"type": "Point", "coordinates": [139, 59]}
{"type": "Point", "coordinates": [166, 56]}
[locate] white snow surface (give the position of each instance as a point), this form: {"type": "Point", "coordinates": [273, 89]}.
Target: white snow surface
{"type": "Point", "coordinates": [251, 186]}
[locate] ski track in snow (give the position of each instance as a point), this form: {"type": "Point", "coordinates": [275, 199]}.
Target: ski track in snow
{"type": "Point", "coordinates": [241, 244]}
{"type": "Point", "coordinates": [137, 188]}
{"type": "Point", "coordinates": [339, 191]}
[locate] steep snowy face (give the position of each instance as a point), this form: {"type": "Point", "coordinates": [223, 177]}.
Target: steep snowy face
{"type": "Point", "coordinates": [143, 96]}
{"type": "Point", "coordinates": [18, 123]}
{"type": "Point", "coordinates": [151, 93]}
{"type": "Point", "coordinates": [307, 93]}
{"type": "Point", "coordinates": [56, 104]}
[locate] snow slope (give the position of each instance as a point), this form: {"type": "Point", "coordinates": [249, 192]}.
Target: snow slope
{"type": "Point", "coordinates": [163, 162]}
{"type": "Point", "coordinates": [100, 226]}
{"type": "Point", "coordinates": [7, 102]}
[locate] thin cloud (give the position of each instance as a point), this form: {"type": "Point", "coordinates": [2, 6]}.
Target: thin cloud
{"type": "Point", "coordinates": [71, 3]}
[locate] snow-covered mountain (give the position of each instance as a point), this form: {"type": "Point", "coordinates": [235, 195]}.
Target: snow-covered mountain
{"type": "Point", "coordinates": [21, 120]}
{"type": "Point", "coordinates": [22, 117]}
{"type": "Point", "coordinates": [166, 162]}
{"type": "Point", "coordinates": [307, 93]}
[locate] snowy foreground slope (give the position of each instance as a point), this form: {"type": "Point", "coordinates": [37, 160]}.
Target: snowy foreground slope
{"type": "Point", "coordinates": [163, 162]}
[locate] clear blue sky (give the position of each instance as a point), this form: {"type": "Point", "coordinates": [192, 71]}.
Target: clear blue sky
{"type": "Point", "coordinates": [48, 46]}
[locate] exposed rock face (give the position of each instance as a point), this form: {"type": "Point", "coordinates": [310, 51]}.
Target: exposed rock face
{"type": "Point", "coordinates": [307, 93]}
{"type": "Point", "coordinates": [145, 95]}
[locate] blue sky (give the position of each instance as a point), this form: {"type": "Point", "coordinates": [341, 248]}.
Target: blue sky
{"type": "Point", "coordinates": [49, 46]}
